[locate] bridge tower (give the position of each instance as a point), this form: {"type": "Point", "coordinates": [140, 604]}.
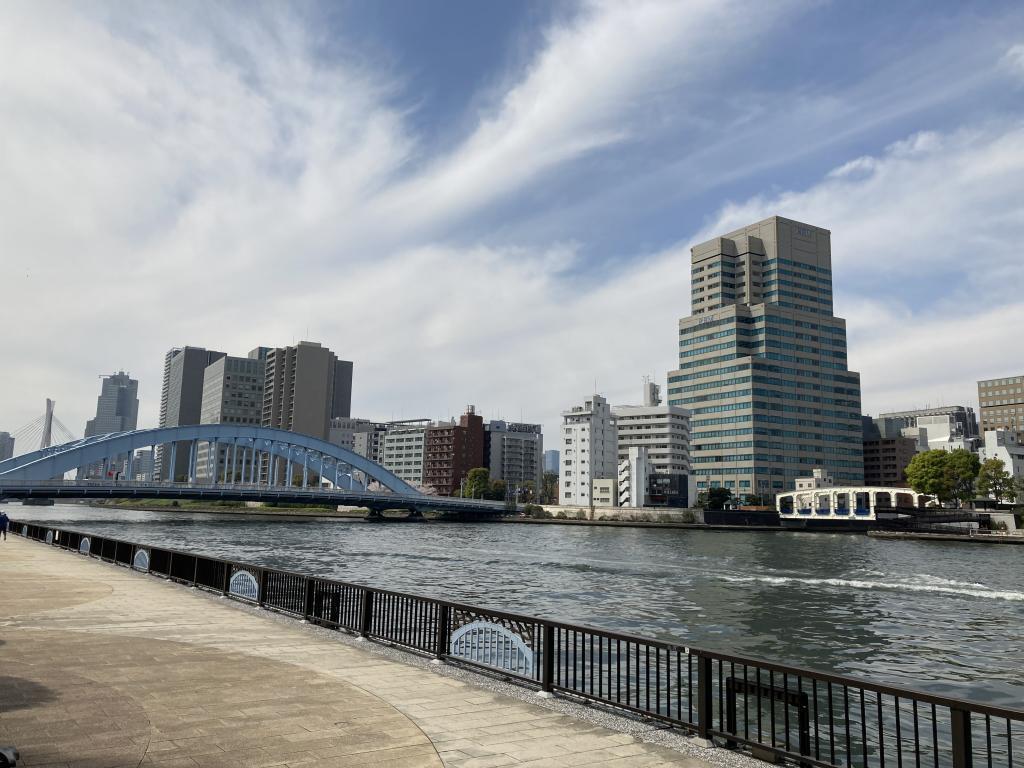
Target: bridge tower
{"type": "Point", "coordinates": [47, 437]}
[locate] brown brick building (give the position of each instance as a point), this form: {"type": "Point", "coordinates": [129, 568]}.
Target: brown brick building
{"type": "Point", "coordinates": [451, 450]}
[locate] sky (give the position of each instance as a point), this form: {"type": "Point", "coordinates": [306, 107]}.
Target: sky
{"type": "Point", "coordinates": [493, 203]}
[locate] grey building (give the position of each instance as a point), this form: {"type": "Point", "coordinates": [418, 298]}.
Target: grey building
{"type": "Point", "coordinates": [515, 453]}
{"type": "Point", "coordinates": [6, 446]}
{"type": "Point", "coordinates": [762, 363]}
{"type": "Point", "coordinates": [232, 394]}
{"type": "Point", "coordinates": [142, 466]}
{"type": "Point", "coordinates": [1002, 404]}
{"type": "Point", "coordinates": [305, 386]}
{"type": "Point", "coordinates": [403, 448]}
{"type": "Point", "coordinates": [343, 431]}
{"type": "Point", "coordinates": [117, 410]}
{"type": "Point", "coordinates": [181, 401]}
{"type": "Point", "coordinates": [964, 422]}
{"type": "Point", "coordinates": [370, 443]}
{"type": "Point", "coordinates": [551, 461]}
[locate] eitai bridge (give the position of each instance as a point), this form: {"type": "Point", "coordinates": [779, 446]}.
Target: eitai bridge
{"type": "Point", "coordinates": [256, 464]}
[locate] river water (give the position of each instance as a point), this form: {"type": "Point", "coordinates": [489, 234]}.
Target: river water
{"type": "Point", "coordinates": [944, 617]}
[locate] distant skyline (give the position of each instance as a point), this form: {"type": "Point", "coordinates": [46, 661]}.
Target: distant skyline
{"type": "Point", "coordinates": [493, 203]}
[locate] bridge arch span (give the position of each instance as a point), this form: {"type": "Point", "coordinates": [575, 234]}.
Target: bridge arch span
{"type": "Point", "coordinates": [301, 451]}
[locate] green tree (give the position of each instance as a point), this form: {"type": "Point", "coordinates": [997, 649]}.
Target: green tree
{"type": "Point", "coordinates": [995, 481]}
{"type": "Point", "coordinates": [962, 467]}
{"type": "Point", "coordinates": [477, 483]}
{"type": "Point", "coordinates": [715, 498]}
{"type": "Point", "coordinates": [927, 473]}
{"type": "Point", "coordinates": [496, 490]}
{"type": "Point", "coordinates": [549, 493]}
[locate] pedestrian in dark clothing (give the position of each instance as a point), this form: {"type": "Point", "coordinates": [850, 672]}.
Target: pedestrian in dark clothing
{"type": "Point", "coordinates": [4, 522]}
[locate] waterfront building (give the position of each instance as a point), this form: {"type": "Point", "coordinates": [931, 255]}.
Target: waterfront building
{"type": "Point", "coordinates": [450, 450]}
{"type": "Point", "coordinates": [181, 401]}
{"type": "Point", "coordinates": [1002, 403]}
{"type": "Point", "coordinates": [589, 451]}
{"type": "Point", "coordinates": [762, 362]}
{"type": "Point", "coordinates": [888, 452]}
{"type": "Point", "coordinates": [117, 410]}
{"type": "Point", "coordinates": [6, 446]}
{"type": "Point", "coordinates": [402, 449]}
{"type": "Point", "coordinates": [663, 431]}
{"type": "Point", "coordinates": [232, 394]}
{"type": "Point", "coordinates": [945, 423]}
{"type": "Point", "coordinates": [635, 472]}
{"type": "Point", "coordinates": [370, 443]}
{"type": "Point", "coordinates": [605, 492]}
{"type": "Point", "coordinates": [514, 452]}
{"type": "Point", "coordinates": [1007, 446]}
{"type": "Point", "coordinates": [817, 479]}
{"type": "Point", "coordinates": [304, 387]}
{"type": "Point", "coordinates": [551, 457]}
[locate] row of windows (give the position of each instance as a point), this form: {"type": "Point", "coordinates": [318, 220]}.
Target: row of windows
{"type": "Point", "coordinates": [774, 262]}
{"type": "Point", "coordinates": [772, 272]}
{"type": "Point", "coordinates": [777, 447]}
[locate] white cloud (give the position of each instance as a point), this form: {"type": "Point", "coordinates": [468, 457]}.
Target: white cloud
{"type": "Point", "coordinates": [1013, 60]}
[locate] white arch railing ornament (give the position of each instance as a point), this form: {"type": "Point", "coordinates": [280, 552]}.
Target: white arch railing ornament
{"type": "Point", "coordinates": [490, 644]}
{"type": "Point", "coordinates": [141, 560]}
{"type": "Point", "coordinates": [243, 584]}
{"type": "Point", "coordinates": [49, 537]}
{"type": "Point", "coordinates": [85, 545]}
{"type": "Point", "coordinates": [24, 530]}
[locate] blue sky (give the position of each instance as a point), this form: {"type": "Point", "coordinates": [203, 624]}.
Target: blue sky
{"type": "Point", "coordinates": [492, 203]}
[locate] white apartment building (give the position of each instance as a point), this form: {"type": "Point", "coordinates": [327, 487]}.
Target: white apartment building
{"type": "Point", "coordinates": [634, 476]}
{"type": "Point", "coordinates": [402, 449]}
{"type": "Point", "coordinates": [588, 451]}
{"type": "Point", "coordinates": [1003, 444]}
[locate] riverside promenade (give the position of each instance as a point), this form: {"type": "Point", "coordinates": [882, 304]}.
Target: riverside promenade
{"type": "Point", "coordinates": [103, 667]}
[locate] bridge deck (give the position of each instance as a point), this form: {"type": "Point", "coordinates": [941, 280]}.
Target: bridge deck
{"type": "Point", "coordinates": [103, 666]}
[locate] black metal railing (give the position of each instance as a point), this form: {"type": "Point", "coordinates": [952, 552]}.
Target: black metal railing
{"type": "Point", "coordinates": [810, 717]}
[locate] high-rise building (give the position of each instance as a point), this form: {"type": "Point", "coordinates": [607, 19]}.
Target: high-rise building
{"type": "Point", "coordinates": [181, 401]}
{"type": "Point", "coordinates": [1002, 403]}
{"type": "Point", "coordinates": [762, 362]}
{"type": "Point", "coordinates": [6, 446]}
{"type": "Point", "coordinates": [588, 450]}
{"type": "Point", "coordinates": [889, 447]}
{"type": "Point", "coordinates": [142, 465]}
{"type": "Point", "coordinates": [551, 457]}
{"type": "Point", "coordinates": [450, 450]}
{"type": "Point", "coordinates": [663, 431]}
{"type": "Point", "coordinates": [232, 394]}
{"type": "Point", "coordinates": [514, 453]}
{"type": "Point", "coordinates": [117, 410]}
{"type": "Point", "coordinates": [305, 386]}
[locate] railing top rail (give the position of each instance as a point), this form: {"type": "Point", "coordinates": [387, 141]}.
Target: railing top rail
{"type": "Point", "coordinates": [885, 689]}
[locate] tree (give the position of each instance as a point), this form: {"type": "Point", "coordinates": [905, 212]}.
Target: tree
{"type": "Point", "coordinates": [715, 498]}
{"type": "Point", "coordinates": [995, 481]}
{"type": "Point", "coordinates": [927, 473]}
{"type": "Point", "coordinates": [496, 490]}
{"type": "Point", "coordinates": [477, 483]}
{"type": "Point", "coordinates": [549, 494]}
{"type": "Point", "coordinates": [963, 467]}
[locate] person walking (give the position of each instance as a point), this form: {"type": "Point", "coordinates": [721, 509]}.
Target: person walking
{"type": "Point", "coordinates": [4, 522]}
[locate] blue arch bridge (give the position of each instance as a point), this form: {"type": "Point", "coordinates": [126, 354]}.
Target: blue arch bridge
{"type": "Point", "coordinates": [222, 462]}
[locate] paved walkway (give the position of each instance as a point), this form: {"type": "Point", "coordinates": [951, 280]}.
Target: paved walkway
{"type": "Point", "coordinates": [102, 667]}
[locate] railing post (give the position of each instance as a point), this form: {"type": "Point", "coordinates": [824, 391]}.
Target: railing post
{"type": "Point", "coordinates": [310, 592]}
{"type": "Point", "coordinates": [226, 587]}
{"type": "Point", "coordinates": [704, 697]}
{"type": "Point", "coordinates": [261, 598]}
{"type": "Point", "coordinates": [960, 720]}
{"type": "Point", "coordinates": [547, 680]}
{"type": "Point", "coordinates": [441, 640]}
{"type": "Point", "coordinates": [366, 613]}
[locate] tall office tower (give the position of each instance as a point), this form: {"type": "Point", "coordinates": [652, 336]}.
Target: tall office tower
{"type": "Point", "coordinates": [305, 386]}
{"type": "Point", "coordinates": [402, 449]}
{"type": "Point", "coordinates": [117, 410]}
{"type": "Point", "coordinates": [588, 446]}
{"type": "Point", "coordinates": [551, 459]}
{"type": "Point", "coordinates": [515, 453]}
{"type": "Point", "coordinates": [181, 401]}
{"type": "Point", "coordinates": [232, 394]}
{"type": "Point", "coordinates": [663, 431]}
{"type": "Point", "coordinates": [450, 450]}
{"type": "Point", "coordinates": [6, 446]}
{"type": "Point", "coordinates": [762, 363]}
{"type": "Point", "coordinates": [1002, 404]}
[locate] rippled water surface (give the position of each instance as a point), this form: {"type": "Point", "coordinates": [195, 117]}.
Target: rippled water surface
{"type": "Point", "coordinates": [946, 617]}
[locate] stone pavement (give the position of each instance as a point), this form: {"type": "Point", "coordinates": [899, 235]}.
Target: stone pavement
{"type": "Point", "coordinates": [102, 667]}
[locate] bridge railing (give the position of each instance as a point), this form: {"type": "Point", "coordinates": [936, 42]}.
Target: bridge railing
{"type": "Point", "coordinates": [806, 716]}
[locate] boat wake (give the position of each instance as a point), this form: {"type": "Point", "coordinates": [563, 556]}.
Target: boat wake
{"type": "Point", "coordinates": [923, 583]}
